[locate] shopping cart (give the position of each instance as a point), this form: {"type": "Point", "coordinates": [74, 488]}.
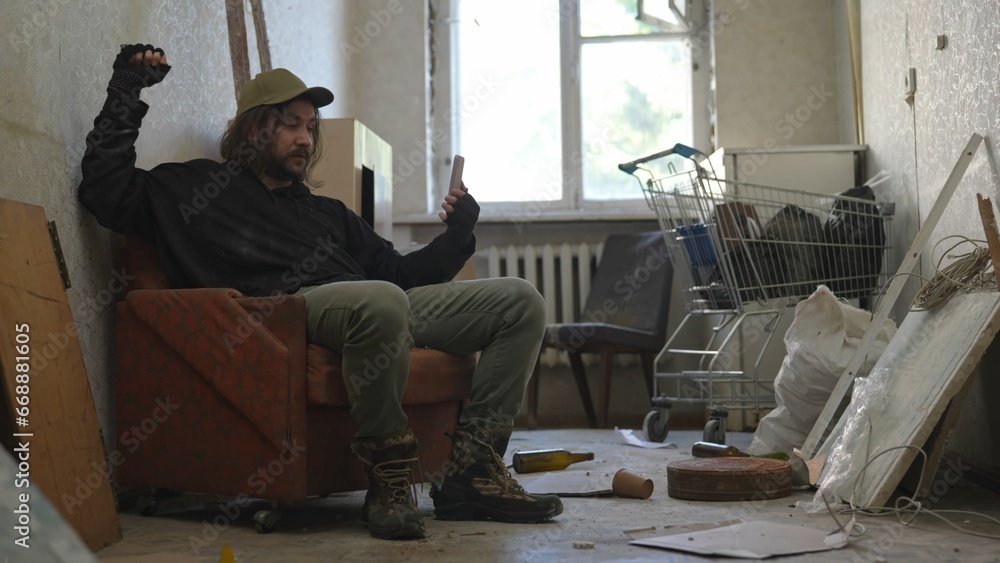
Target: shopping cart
{"type": "Point", "coordinates": [744, 255]}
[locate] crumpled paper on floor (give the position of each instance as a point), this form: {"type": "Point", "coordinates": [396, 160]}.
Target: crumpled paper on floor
{"type": "Point", "coordinates": [638, 438]}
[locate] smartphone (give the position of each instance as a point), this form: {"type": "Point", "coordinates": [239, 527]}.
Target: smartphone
{"type": "Point", "coordinates": [457, 164]}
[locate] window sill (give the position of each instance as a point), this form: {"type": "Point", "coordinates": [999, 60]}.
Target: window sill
{"type": "Point", "coordinates": [550, 217]}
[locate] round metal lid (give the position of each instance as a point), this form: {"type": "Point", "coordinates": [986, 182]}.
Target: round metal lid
{"type": "Point", "coordinates": [729, 479]}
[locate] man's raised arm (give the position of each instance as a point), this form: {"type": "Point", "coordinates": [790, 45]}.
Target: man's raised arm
{"type": "Point", "coordinates": [113, 189]}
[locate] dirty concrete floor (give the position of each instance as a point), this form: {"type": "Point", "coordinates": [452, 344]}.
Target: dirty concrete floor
{"type": "Point", "coordinates": [330, 530]}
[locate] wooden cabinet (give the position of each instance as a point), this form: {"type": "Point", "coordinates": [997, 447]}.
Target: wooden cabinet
{"type": "Point", "coordinates": [356, 168]}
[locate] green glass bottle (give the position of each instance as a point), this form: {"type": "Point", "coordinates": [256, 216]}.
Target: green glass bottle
{"type": "Point", "coordinates": [547, 460]}
{"type": "Point", "coordinates": [708, 449]}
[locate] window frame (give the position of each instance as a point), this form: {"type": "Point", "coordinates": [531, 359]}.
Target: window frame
{"type": "Point", "coordinates": [446, 110]}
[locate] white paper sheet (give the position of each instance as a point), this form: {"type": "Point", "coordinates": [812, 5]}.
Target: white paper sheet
{"type": "Point", "coordinates": [749, 540]}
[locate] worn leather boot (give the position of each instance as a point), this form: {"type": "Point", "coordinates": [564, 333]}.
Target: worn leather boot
{"type": "Point", "coordinates": [478, 486]}
{"type": "Point", "coordinates": [390, 507]}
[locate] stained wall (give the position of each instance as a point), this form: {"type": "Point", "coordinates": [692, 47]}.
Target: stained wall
{"type": "Point", "coordinates": [776, 73]}
{"type": "Point", "coordinates": [957, 94]}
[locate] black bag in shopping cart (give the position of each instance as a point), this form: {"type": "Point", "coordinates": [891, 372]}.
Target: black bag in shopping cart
{"type": "Point", "coordinates": [799, 237]}
{"type": "Point", "coordinates": [855, 241]}
{"type": "Point", "coordinates": [758, 269]}
{"type": "Point", "coordinates": [785, 262]}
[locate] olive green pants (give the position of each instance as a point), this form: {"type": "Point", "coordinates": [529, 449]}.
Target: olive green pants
{"type": "Point", "coordinates": [374, 324]}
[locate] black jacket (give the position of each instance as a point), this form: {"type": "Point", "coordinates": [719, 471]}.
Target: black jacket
{"type": "Point", "coordinates": [217, 225]}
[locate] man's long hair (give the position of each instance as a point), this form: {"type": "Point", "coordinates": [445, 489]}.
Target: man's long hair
{"type": "Point", "coordinates": [249, 135]}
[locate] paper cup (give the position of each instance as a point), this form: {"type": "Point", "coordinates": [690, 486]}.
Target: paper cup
{"type": "Point", "coordinates": [630, 485]}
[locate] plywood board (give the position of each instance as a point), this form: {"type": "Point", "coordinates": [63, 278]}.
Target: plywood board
{"type": "Point", "coordinates": [920, 476]}
{"type": "Point", "coordinates": [53, 540]}
{"type": "Point", "coordinates": [57, 438]}
{"type": "Point", "coordinates": [910, 259]}
{"type": "Point", "coordinates": [924, 367]}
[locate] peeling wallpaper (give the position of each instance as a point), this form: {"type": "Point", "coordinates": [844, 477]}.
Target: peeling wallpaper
{"type": "Point", "coordinates": [958, 93]}
{"type": "Point", "coordinates": [54, 70]}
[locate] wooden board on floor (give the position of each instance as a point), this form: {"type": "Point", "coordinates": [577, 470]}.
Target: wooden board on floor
{"type": "Point", "coordinates": [61, 446]}
{"type": "Point", "coordinates": [924, 367]}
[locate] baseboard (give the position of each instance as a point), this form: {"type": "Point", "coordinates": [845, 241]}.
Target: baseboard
{"type": "Point", "coordinates": [678, 421]}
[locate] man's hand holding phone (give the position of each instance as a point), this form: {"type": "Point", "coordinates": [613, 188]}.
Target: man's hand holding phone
{"type": "Point", "coordinates": [460, 209]}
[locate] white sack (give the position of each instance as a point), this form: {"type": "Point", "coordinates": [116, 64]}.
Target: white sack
{"type": "Point", "coordinates": [820, 342]}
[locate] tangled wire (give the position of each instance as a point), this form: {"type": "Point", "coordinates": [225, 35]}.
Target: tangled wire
{"type": "Point", "coordinates": [969, 272]}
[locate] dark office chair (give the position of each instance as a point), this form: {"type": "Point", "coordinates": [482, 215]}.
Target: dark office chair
{"type": "Point", "coordinates": [626, 312]}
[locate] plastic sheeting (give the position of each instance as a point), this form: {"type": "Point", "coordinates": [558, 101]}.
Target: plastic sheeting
{"type": "Point", "coordinates": [850, 453]}
{"type": "Point", "coordinates": [820, 342]}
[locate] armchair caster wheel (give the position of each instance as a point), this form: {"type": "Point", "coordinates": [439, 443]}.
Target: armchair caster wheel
{"type": "Point", "coordinates": [265, 520]}
{"type": "Point", "coordinates": [146, 506]}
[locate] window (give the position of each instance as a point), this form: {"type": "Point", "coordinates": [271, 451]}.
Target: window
{"type": "Point", "coordinates": [548, 96]}
{"type": "Point", "coordinates": [508, 83]}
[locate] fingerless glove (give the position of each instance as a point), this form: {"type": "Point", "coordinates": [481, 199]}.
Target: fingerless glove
{"type": "Point", "coordinates": [462, 221]}
{"type": "Point", "coordinates": [131, 78]}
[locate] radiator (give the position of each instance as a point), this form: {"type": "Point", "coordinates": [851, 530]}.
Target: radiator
{"type": "Point", "coordinates": [560, 272]}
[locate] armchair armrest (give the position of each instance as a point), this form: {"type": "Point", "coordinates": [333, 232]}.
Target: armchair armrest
{"type": "Point", "coordinates": [233, 368]}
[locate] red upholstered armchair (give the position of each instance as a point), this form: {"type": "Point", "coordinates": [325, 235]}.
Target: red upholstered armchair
{"type": "Point", "coordinates": [219, 393]}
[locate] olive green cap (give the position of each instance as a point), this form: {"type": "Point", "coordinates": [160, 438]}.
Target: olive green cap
{"type": "Point", "coordinates": [277, 86]}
